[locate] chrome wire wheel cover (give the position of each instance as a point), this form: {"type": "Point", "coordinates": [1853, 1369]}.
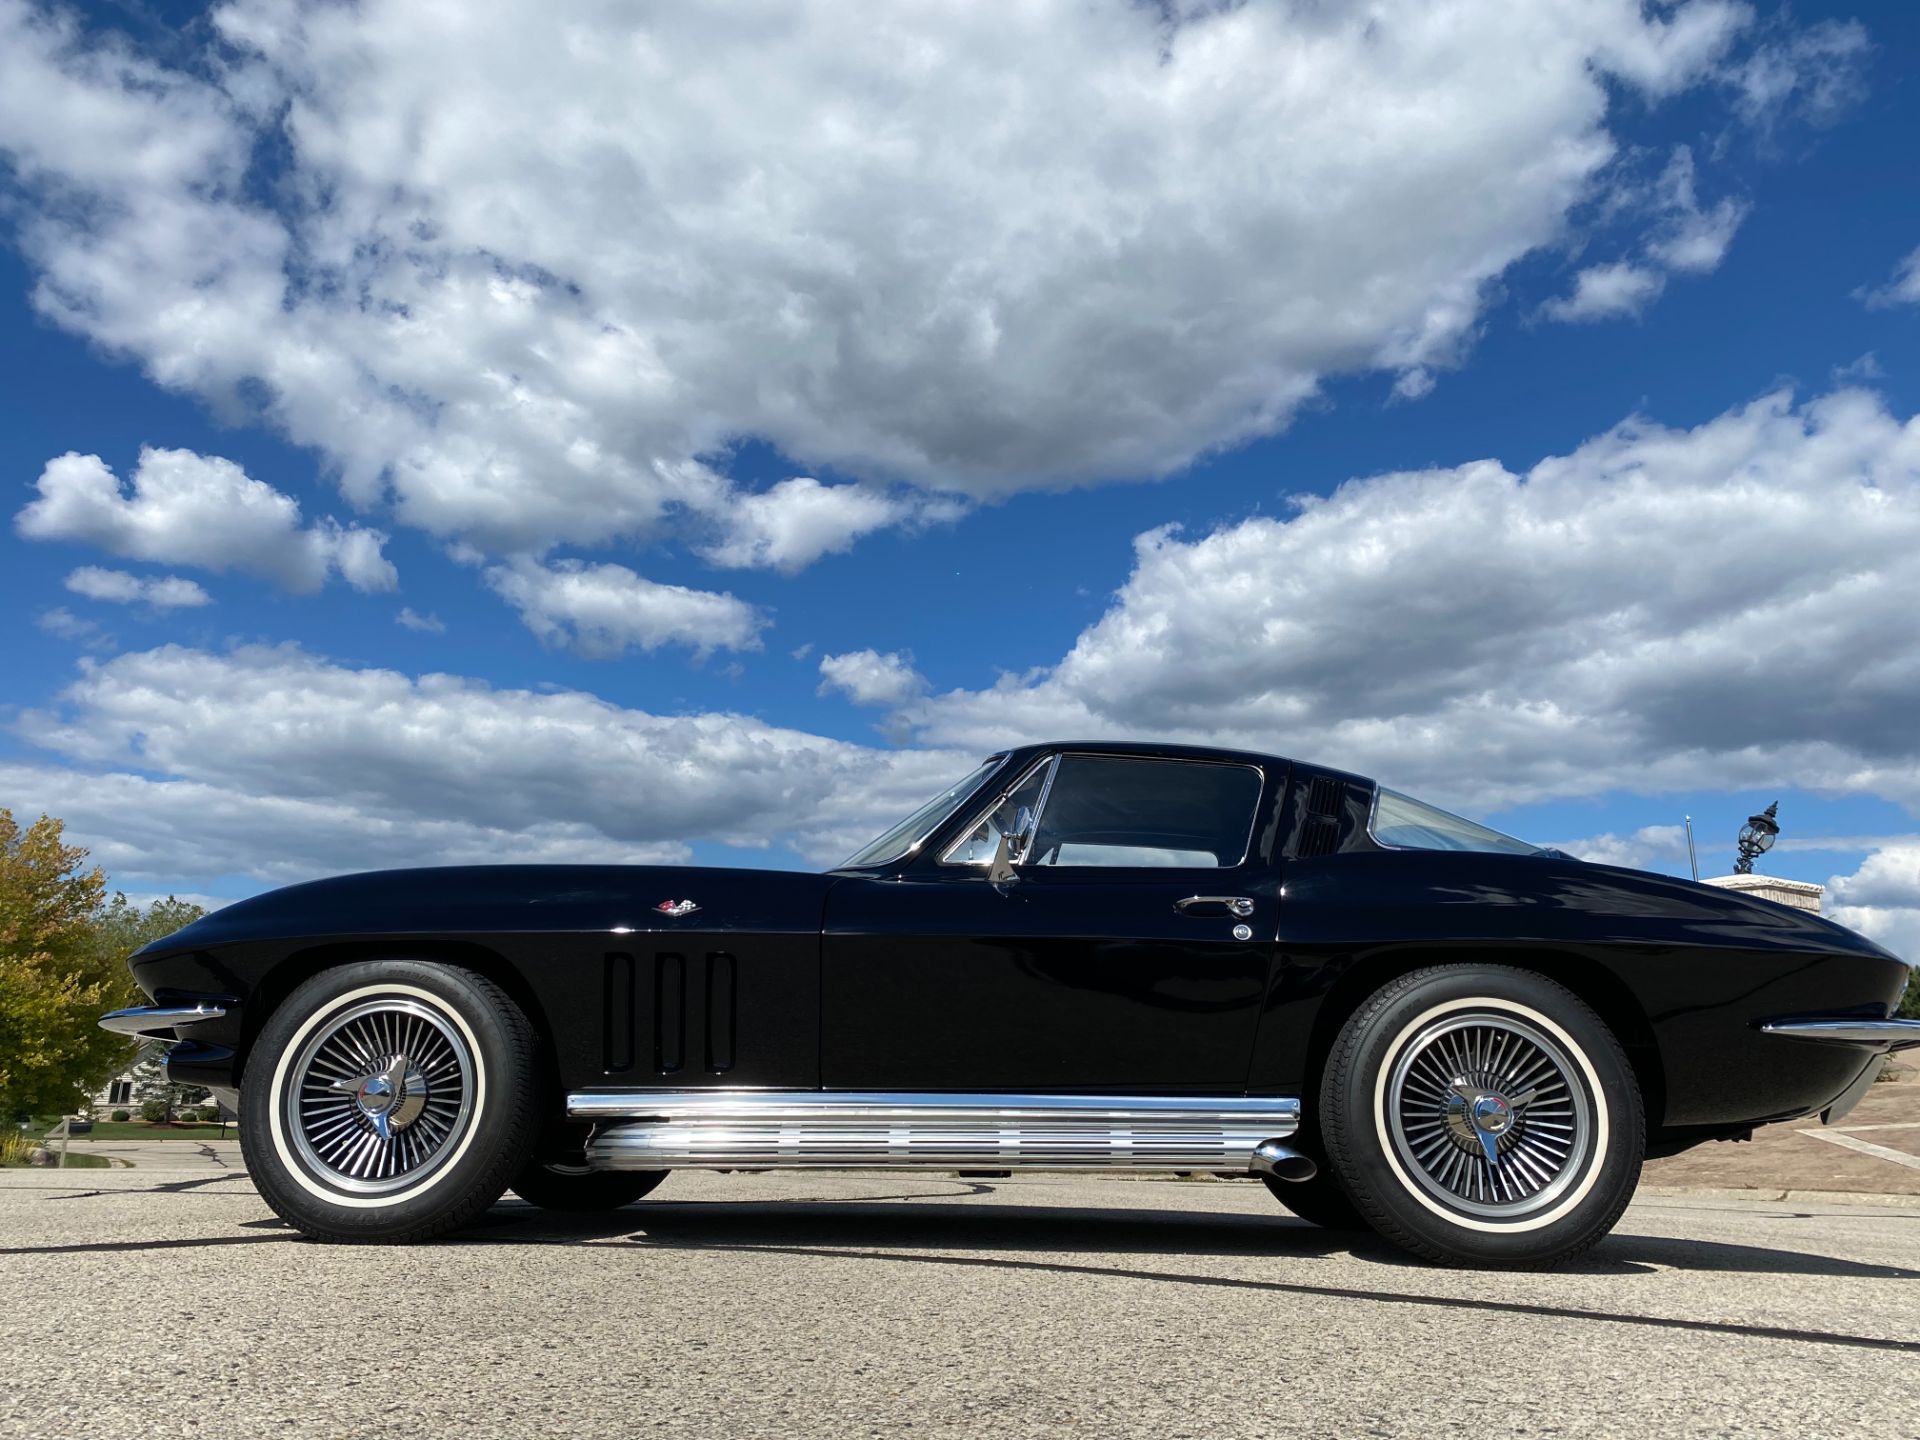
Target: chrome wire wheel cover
{"type": "Point", "coordinates": [1489, 1115]}
{"type": "Point", "coordinates": [380, 1095]}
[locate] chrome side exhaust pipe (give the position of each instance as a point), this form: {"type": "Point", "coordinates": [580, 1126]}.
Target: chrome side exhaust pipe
{"type": "Point", "coordinates": [1270, 1157]}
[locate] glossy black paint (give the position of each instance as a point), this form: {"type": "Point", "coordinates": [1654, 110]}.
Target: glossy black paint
{"type": "Point", "coordinates": [943, 982]}
{"type": "Point", "coordinates": [729, 993]}
{"type": "Point", "coordinates": [915, 975]}
{"type": "Point", "coordinates": [1682, 971]}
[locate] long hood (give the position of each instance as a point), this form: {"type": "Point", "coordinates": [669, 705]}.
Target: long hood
{"type": "Point", "coordinates": [515, 899]}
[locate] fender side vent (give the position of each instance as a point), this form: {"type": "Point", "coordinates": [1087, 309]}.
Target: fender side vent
{"type": "Point", "coordinates": [669, 1012]}
{"type": "Point", "coordinates": [616, 1052]}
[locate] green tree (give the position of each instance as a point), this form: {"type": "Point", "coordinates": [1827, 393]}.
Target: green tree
{"type": "Point", "coordinates": [63, 954]}
{"type": "Point", "coordinates": [52, 984]}
{"type": "Point", "coordinates": [1910, 1005]}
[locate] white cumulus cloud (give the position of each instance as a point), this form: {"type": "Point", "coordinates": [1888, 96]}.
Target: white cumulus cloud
{"type": "Point", "coordinates": [604, 610]}
{"type": "Point", "coordinates": [276, 763]}
{"type": "Point", "coordinates": [1689, 237]}
{"type": "Point", "coordinates": [187, 509]}
{"type": "Point", "coordinates": [1682, 236]}
{"type": "Point", "coordinates": [1647, 848]}
{"type": "Point", "coordinates": [1902, 289]}
{"type": "Point", "coordinates": [1660, 609]}
{"type": "Point", "coordinates": [412, 619]}
{"type": "Point", "coordinates": [1608, 292]}
{"type": "Point", "coordinates": [868, 677]}
{"type": "Point", "coordinates": [794, 523]}
{"type": "Point", "coordinates": [518, 292]}
{"type": "Point", "coordinates": [1882, 899]}
{"type": "Point", "coordinates": [161, 592]}
{"type": "Point", "coordinates": [1815, 74]}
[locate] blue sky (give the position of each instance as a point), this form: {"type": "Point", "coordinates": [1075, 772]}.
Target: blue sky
{"type": "Point", "coordinates": [757, 288]}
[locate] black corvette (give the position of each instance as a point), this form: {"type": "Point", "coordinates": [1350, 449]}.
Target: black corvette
{"type": "Point", "coordinates": [1080, 956]}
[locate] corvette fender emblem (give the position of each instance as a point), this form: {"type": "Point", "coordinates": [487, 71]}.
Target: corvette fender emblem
{"type": "Point", "coordinates": [676, 908]}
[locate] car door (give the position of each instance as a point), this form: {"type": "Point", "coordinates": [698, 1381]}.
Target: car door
{"type": "Point", "coordinates": [1127, 950]}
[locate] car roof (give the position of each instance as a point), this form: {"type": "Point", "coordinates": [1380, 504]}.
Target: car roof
{"type": "Point", "coordinates": [1160, 750]}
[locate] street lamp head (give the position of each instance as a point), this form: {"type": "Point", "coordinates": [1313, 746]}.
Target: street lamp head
{"type": "Point", "coordinates": [1757, 837]}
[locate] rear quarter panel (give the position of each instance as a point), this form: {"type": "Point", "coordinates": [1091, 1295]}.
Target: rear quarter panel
{"type": "Point", "coordinates": [1696, 966]}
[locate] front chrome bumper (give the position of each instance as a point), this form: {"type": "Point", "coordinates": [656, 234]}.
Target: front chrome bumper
{"type": "Point", "coordinates": [156, 1022]}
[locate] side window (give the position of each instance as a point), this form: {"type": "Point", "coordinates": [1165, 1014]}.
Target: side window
{"type": "Point", "coordinates": [1120, 811]}
{"type": "Point", "coordinates": [976, 847]}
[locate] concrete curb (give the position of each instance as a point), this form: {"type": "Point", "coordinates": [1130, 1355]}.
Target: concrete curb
{"type": "Point", "coordinates": [1774, 1196]}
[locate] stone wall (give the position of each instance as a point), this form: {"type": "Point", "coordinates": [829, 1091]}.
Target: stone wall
{"type": "Point", "coordinates": [1797, 894]}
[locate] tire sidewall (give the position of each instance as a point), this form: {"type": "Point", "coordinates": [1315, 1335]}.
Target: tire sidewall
{"type": "Point", "coordinates": [488, 1152]}
{"type": "Point", "coordinates": [542, 1185]}
{"type": "Point", "coordinates": [1353, 1116]}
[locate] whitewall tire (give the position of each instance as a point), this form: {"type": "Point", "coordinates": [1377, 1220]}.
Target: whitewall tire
{"type": "Point", "coordinates": [1481, 1114]}
{"type": "Point", "coordinates": [389, 1100]}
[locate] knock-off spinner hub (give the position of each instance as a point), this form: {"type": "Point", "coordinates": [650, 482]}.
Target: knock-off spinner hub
{"type": "Point", "coordinates": [390, 1096]}
{"type": "Point", "coordinates": [1479, 1118]}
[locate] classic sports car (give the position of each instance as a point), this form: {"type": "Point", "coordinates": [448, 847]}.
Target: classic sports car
{"type": "Point", "coordinates": [1080, 956]}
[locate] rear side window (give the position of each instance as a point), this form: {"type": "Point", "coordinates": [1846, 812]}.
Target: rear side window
{"type": "Point", "coordinates": [1119, 811]}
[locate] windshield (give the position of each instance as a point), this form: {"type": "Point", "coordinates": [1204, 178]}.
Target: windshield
{"type": "Point", "coordinates": [1410, 824]}
{"type": "Point", "coordinates": [922, 822]}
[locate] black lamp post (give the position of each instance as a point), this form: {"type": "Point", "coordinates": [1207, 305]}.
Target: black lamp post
{"type": "Point", "coordinates": [1757, 837]}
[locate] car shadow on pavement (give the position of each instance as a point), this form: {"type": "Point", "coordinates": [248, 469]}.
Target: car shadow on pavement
{"type": "Point", "coordinates": [995, 1237]}
{"type": "Point", "coordinates": [1014, 1229]}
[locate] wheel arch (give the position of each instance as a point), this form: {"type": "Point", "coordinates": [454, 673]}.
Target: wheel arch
{"type": "Point", "coordinates": [299, 966]}
{"type": "Point", "coordinates": [1609, 996]}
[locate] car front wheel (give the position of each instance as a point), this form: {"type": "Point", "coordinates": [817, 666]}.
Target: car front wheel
{"type": "Point", "coordinates": [1483, 1115]}
{"type": "Point", "coordinates": [389, 1101]}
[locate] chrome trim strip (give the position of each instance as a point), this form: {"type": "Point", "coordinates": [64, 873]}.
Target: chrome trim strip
{"type": "Point", "coordinates": [669, 1104]}
{"type": "Point", "coordinates": [154, 1020]}
{"type": "Point", "coordinates": [812, 1129]}
{"type": "Point", "coordinates": [1040, 807]}
{"type": "Point", "coordinates": [1880, 1034]}
{"type": "Point", "coordinates": [1000, 798]}
{"type": "Point", "coordinates": [1239, 905]}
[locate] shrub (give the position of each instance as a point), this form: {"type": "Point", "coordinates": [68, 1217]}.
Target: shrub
{"type": "Point", "coordinates": [122, 1115]}
{"type": "Point", "coordinates": [153, 1110]}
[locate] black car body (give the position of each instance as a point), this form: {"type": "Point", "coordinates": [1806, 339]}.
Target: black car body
{"type": "Point", "coordinates": [921, 980]}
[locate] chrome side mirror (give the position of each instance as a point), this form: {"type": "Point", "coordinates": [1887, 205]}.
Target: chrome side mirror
{"type": "Point", "coordinates": [1012, 849]}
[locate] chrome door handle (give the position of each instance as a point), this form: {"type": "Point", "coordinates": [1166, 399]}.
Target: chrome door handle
{"type": "Point", "coordinates": [1235, 904]}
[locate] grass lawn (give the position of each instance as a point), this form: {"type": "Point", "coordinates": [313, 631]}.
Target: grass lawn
{"type": "Point", "coordinates": [141, 1130]}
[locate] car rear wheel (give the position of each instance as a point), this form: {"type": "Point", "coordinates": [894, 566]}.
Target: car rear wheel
{"type": "Point", "coordinates": [1483, 1115]}
{"type": "Point", "coordinates": [1319, 1201]}
{"type": "Point", "coordinates": [389, 1101]}
{"type": "Point", "coordinates": [557, 1185]}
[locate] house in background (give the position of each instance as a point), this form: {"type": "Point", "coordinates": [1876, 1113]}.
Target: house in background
{"type": "Point", "coordinates": [144, 1080]}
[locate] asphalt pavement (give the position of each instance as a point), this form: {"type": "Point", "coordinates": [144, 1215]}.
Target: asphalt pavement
{"type": "Point", "coordinates": [168, 1301]}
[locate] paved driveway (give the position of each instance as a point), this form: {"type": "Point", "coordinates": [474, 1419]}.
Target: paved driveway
{"type": "Point", "coordinates": [170, 1302]}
